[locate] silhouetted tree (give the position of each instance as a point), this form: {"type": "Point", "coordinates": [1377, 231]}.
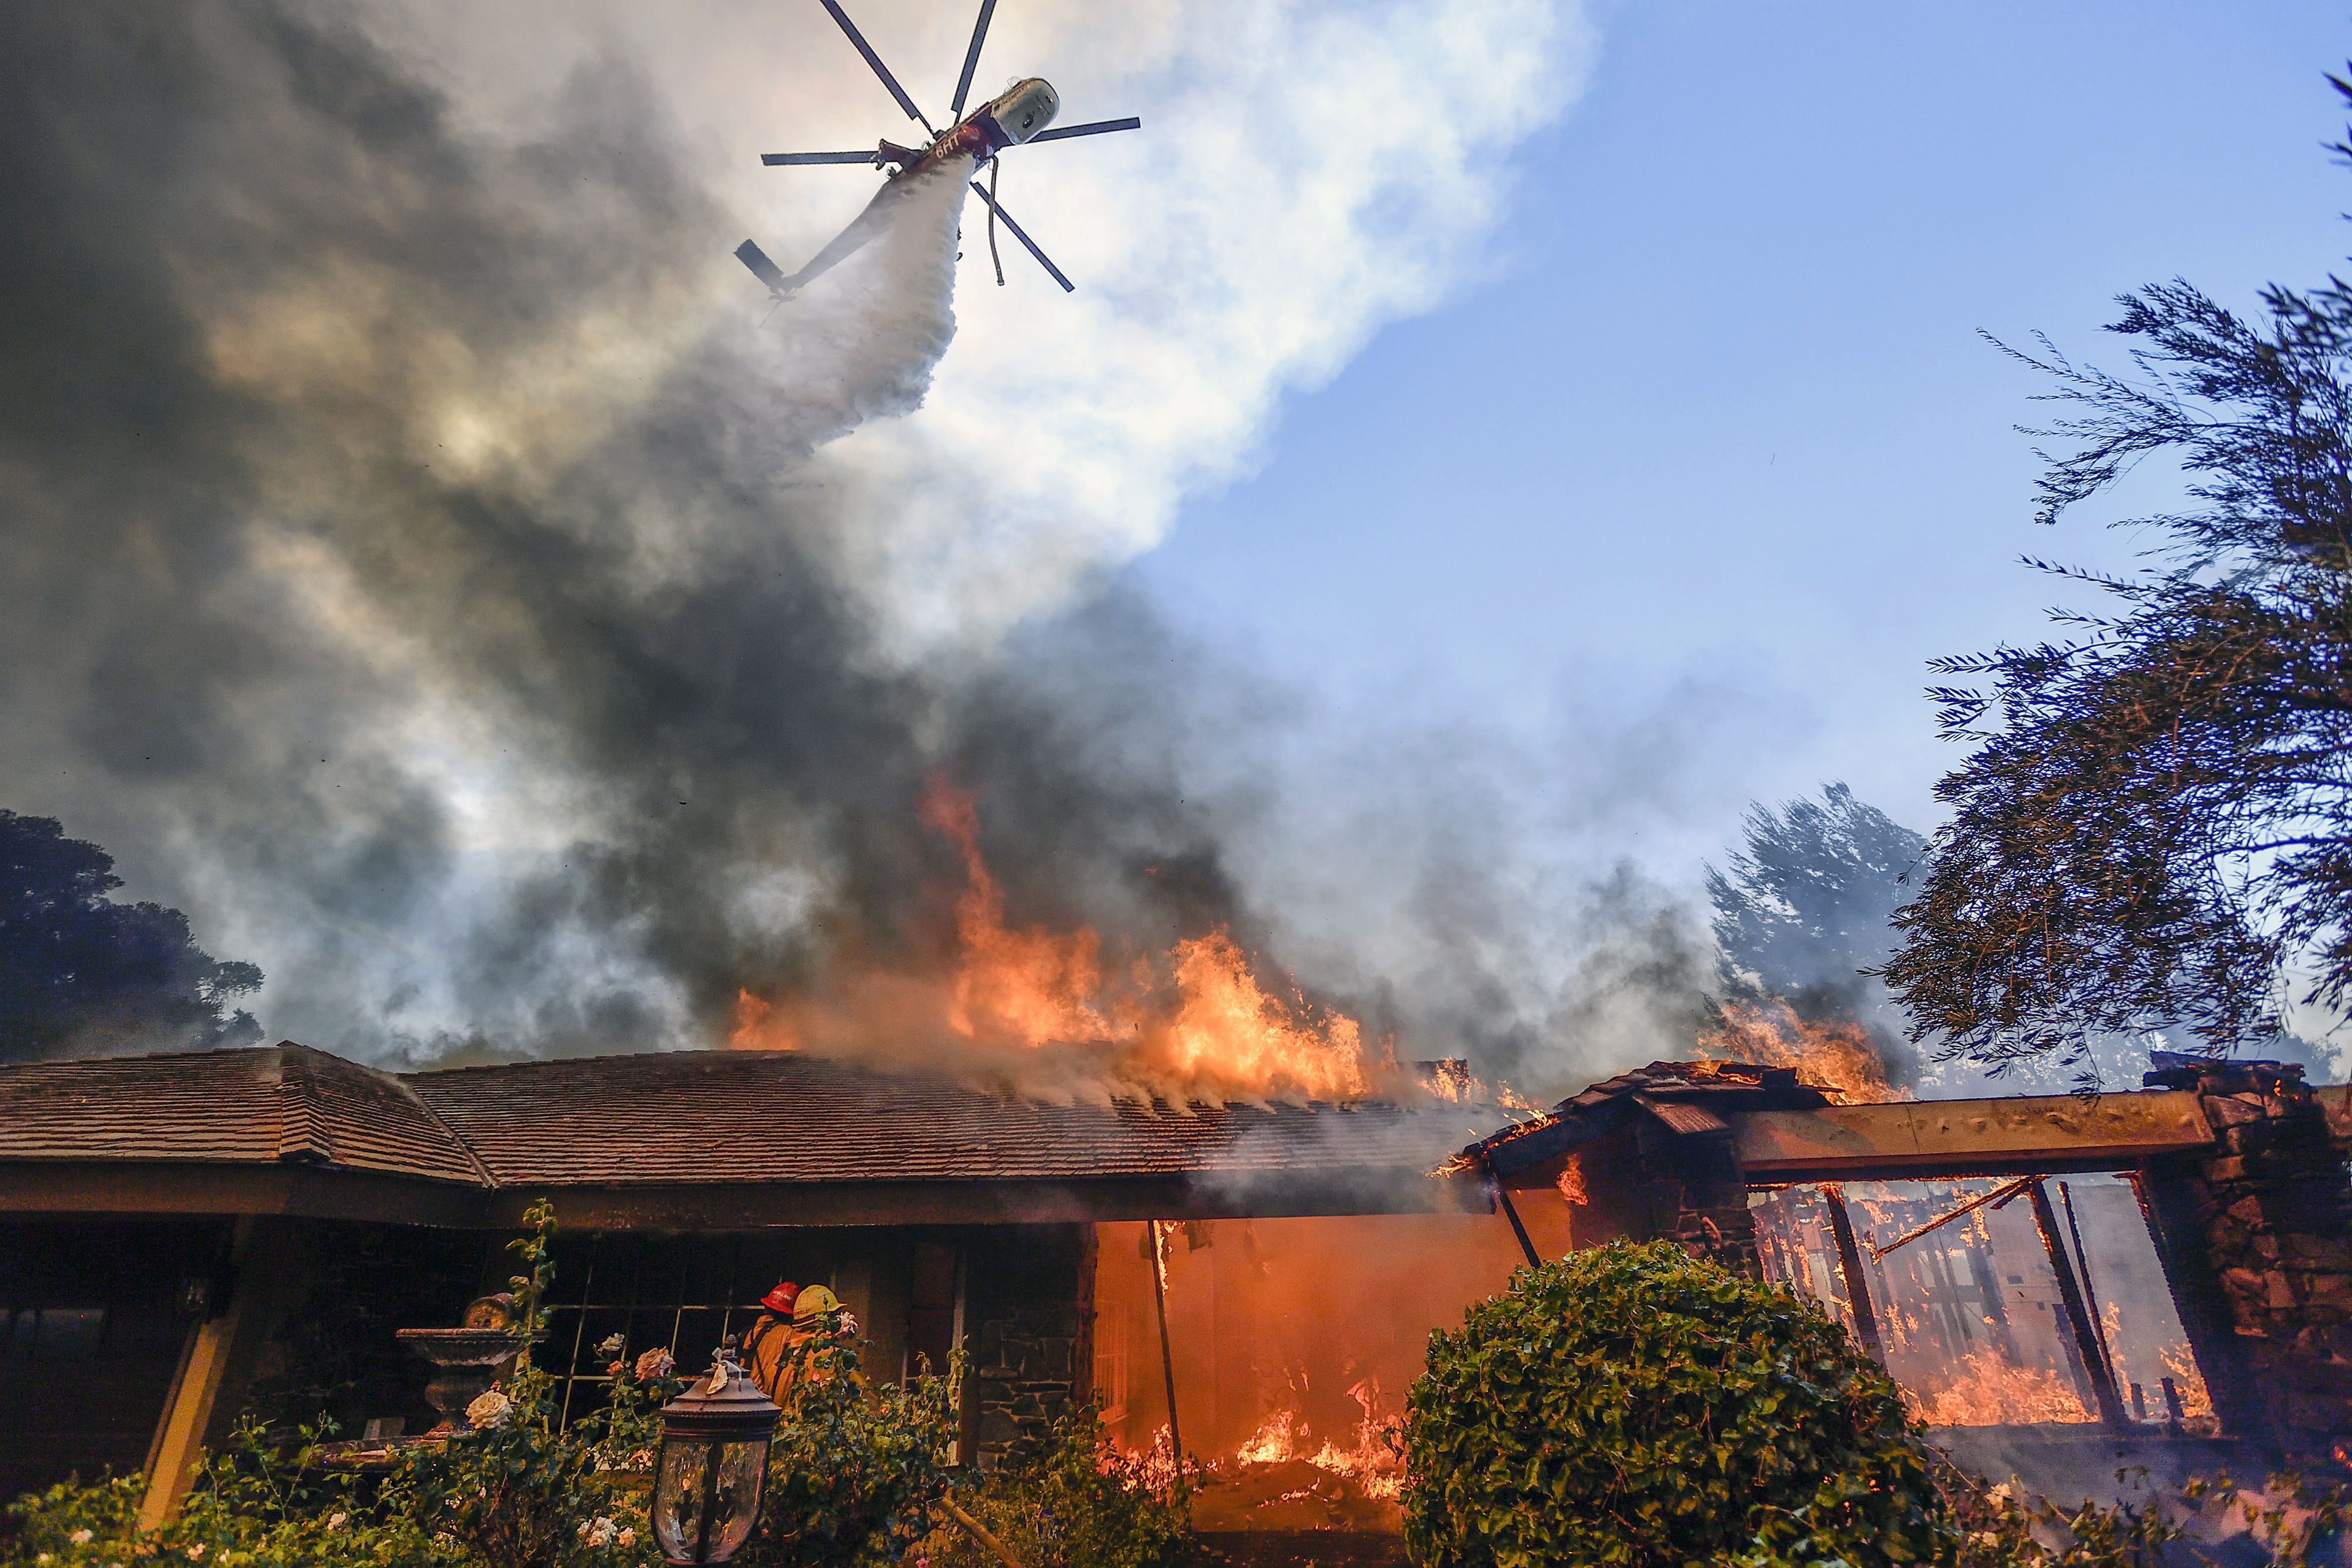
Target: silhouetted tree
{"type": "Point", "coordinates": [79, 972]}
{"type": "Point", "coordinates": [1805, 911]}
{"type": "Point", "coordinates": [2156, 823]}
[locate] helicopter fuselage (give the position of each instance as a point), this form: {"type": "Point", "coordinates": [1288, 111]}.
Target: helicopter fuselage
{"type": "Point", "coordinates": [1008, 119]}
{"type": "Point", "coordinates": [1021, 114]}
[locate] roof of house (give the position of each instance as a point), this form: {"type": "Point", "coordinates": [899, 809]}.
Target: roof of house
{"type": "Point", "coordinates": [279, 1103]}
{"type": "Point", "coordinates": [686, 1117]}
{"type": "Point", "coordinates": [1691, 1098]}
{"type": "Point", "coordinates": [768, 1116]}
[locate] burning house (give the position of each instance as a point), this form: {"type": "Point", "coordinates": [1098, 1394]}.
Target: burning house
{"type": "Point", "coordinates": [1249, 1284]}
{"type": "Point", "coordinates": [190, 1236]}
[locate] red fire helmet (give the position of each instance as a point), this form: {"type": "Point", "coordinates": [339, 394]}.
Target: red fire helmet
{"type": "Point", "coordinates": [779, 1300]}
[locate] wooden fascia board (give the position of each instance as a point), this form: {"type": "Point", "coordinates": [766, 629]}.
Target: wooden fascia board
{"type": "Point", "coordinates": [2036, 1135]}
{"type": "Point", "coordinates": [57, 1188]}
{"type": "Point", "coordinates": [61, 1189]}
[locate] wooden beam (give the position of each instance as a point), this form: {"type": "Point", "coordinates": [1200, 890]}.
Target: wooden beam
{"type": "Point", "coordinates": [1167, 1357]}
{"type": "Point", "coordinates": [2026, 1135]}
{"type": "Point", "coordinates": [2078, 1316]}
{"type": "Point", "coordinates": [188, 1409]}
{"type": "Point", "coordinates": [1857, 1287]}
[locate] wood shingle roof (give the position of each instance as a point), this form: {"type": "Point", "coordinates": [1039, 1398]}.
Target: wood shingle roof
{"type": "Point", "coordinates": [677, 1120]}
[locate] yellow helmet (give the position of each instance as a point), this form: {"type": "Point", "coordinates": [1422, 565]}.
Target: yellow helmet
{"type": "Point", "coordinates": [814, 1303]}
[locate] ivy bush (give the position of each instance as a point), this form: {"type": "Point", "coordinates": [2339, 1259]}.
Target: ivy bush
{"type": "Point", "coordinates": [1630, 1406]}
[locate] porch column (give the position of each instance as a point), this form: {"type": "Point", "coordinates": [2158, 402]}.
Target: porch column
{"type": "Point", "coordinates": [2255, 1235]}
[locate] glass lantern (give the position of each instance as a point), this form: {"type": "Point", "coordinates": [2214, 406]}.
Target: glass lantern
{"type": "Point", "coordinates": [713, 1465]}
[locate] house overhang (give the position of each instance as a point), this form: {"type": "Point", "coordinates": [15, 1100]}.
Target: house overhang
{"type": "Point", "coordinates": [55, 1189]}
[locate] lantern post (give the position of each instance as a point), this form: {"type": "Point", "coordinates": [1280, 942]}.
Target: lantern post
{"type": "Point", "coordinates": [713, 1465]}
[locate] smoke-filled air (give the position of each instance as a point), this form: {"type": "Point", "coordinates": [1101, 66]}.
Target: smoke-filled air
{"type": "Point", "coordinates": [437, 568]}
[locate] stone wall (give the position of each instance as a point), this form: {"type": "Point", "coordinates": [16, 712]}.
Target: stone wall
{"type": "Point", "coordinates": [1698, 1197]}
{"type": "Point", "coordinates": [1030, 1311]}
{"type": "Point", "coordinates": [2256, 1238]}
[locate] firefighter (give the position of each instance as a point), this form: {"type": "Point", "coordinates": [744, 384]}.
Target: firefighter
{"type": "Point", "coordinates": [767, 1346]}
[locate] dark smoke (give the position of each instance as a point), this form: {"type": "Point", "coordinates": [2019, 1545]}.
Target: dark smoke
{"type": "Point", "coordinates": [551, 740]}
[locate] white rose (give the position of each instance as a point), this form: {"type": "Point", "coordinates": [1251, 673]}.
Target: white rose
{"type": "Point", "coordinates": [490, 1410]}
{"type": "Point", "coordinates": [627, 1537]}
{"type": "Point", "coordinates": [335, 1521]}
{"type": "Point", "coordinates": [79, 1537]}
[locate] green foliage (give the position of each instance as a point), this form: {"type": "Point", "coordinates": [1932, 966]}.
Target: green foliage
{"type": "Point", "coordinates": [2285, 1522]}
{"type": "Point", "coordinates": [1630, 1405]}
{"type": "Point", "coordinates": [526, 1490]}
{"type": "Point", "coordinates": [857, 1472]}
{"type": "Point", "coordinates": [78, 968]}
{"type": "Point", "coordinates": [855, 1475]}
{"type": "Point", "coordinates": [2155, 825]}
{"type": "Point", "coordinates": [1072, 1504]}
{"type": "Point", "coordinates": [59, 1524]}
{"type": "Point", "coordinates": [254, 1505]}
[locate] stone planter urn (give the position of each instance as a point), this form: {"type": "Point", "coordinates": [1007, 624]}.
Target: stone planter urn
{"type": "Point", "coordinates": [468, 1361]}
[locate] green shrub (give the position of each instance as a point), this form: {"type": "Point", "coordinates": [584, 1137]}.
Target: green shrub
{"type": "Point", "coordinates": [253, 1505]}
{"type": "Point", "coordinates": [1630, 1405]}
{"type": "Point", "coordinates": [854, 1475]}
{"type": "Point", "coordinates": [1071, 1504]}
{"type": "Point", "coordinates": [857, 1473]}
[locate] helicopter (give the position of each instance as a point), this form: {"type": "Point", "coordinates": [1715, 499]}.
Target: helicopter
{"type": "Point", "coordinates": [1020, 115]}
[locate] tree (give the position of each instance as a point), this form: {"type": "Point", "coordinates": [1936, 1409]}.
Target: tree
{"type": "Point", "coordinates": [2155, 827]}
{"type": "Point", "coordinates": [1806, 911]}
{"type": "Point", "coordinates": [79, 972]}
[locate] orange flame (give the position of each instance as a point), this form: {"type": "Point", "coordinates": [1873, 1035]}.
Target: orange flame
{"type": "Point", "coordinates": [752, 1030]}
{"type": "Point", "coordinates": [1571, 1180]}
{"type": "Point", "coordinates": [1834, 1056]}
{"type": "Point", "coordinates": [1371, 1464]}
{"type": "Point", "coordinates": [1194, 1020]}
{"type": "Point", "coordinates": [1225, 1026]}
{"type": "Point", "coordinates": [1034, 986]}
{"type": "Point", "coordinates": [1983, 1390]}
{"type": "Point", "coordinates": [2196, 1404]}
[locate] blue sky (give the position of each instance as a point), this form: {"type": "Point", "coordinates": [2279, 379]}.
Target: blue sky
{"type": "Point", "coordinates": [1715, 434]}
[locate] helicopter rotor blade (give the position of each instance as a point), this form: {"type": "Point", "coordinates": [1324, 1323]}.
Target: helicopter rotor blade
{"type": "Point", "coordinates": [972, 57]}
{"type": "Point", "coordinates": [777, 160]}
{"type": "Point", "coordinates": [1095, 128]}
{"type": "Point", "coordinates": [1007, 219]}
{"type": "Point", "coordinates": [750, 253]}
{"type": "Point", "coordinates": [875, 60]}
